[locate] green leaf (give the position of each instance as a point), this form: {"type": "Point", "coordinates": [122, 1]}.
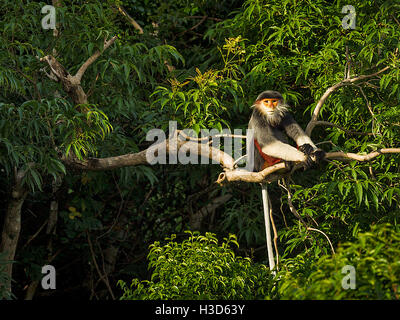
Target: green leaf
{"type": "Point", "coordinates": [358, 190]}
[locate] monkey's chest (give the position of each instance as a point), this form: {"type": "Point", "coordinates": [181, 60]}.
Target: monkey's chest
{"type": "Point", "coordinates": [278, 134]}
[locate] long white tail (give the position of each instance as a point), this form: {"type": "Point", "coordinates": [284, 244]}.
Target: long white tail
{"type": "Point", "coordinates": [265, 200]}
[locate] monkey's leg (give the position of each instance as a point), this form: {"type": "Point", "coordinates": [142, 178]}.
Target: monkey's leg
{"type": "Point", "coordinates": [265, 199]}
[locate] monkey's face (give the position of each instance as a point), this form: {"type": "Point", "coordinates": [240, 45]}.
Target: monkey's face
{"type": "Point", "coordinates": [273, 109]}
{"type": "Point", "coordinates": [270, 104]}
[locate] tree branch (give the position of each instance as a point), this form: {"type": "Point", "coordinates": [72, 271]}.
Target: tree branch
{"type": "Point", "coordinates": [93, 58]}
{"type": "Point", "coordinates": [359, 157]}
{"type": "Point", "coordinates": [194, 27]}
{"type": "Point", "coordinates": [72, 84]}
{"type": "Point", "coordinates": [328, 92]}
{"type": "Point", "coordinates": [130, 19]}
{"type": "Point", "coordinates": [201, 17]}
{"type": "Point", "coordinates": [324, 234]}
{"type": "Point", "coordinates": [143, 157]}
{"type": "Point", "coordinates": [270, 174]}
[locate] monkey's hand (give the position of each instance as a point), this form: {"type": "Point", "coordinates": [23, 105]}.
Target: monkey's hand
{"type": "Point", "coordinates": [318, 155]}
{"type": "Point", "coordinates": [308, 163]}
{"type": "Point", "coordinates": [307, 149]}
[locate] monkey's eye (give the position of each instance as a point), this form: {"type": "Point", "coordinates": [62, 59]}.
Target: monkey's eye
{"type": "Point", "coordinates": [268, 102]}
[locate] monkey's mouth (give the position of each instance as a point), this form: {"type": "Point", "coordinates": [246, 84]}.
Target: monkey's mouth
{"type": "Point", "coordinates": [270, 109]}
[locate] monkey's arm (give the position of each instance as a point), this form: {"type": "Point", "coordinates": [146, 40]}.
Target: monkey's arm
{"type": "Point", "coordinates": [294, 131]}
{"type": "Point", "coordinates": [304, 142]}
{"type": "Point", "coordinates": [278, 149]}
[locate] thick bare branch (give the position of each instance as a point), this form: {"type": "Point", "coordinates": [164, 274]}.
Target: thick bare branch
{"type": "Point", "coordinates": [69, 83]}
{"type": "Point", "coordinates": [271, 173]}
{"type": "Point", "coordinates": [143, 157]}
{"type": "Point", "coordinates": [266, 175]}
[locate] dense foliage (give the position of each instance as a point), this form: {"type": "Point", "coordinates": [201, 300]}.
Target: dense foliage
{"type": "Point", "coordinates": [374, 255]}
{"type": "Point", "coordinates": [200, 268]}
{"type": "Point", "coordinates": [200, 63]}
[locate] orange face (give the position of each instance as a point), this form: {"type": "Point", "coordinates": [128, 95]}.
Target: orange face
{"type": "Point", "coordinates": [270, 103]}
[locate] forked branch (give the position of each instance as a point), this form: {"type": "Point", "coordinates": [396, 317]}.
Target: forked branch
{"type": "Point", "coordinates": [330, 90]}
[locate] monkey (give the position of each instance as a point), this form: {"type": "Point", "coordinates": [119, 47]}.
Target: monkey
{"type": "Point", "coordinates": [272, 123]}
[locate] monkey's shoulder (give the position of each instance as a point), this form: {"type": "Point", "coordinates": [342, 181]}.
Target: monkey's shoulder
{"type": "Point", "coordinates": [287, 118]}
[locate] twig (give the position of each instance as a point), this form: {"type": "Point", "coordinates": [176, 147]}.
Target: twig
{"type": "Point", "coordinates": [338, 167]}
{"type": "Point", "coordinates": [294, 211]}
{"type": "Point", "coordinates": [131, 20]}
{"type": "Point", "coordinates": [201, 17]}
{"type": "Point", "coordinates": [237, 160]}
{"type": "Point", "coordinates": [330, 124]}
{"type": "Point", "coordinates": [281, 209]}
{"type": "Point", "coordinates": [396, 20]}
{"type": "Point", "coordinates": [330, 243]}
{"type": "Point", "coordinates": [36, 234]}
{"type": "Point", "coordinates": [291, 206]}
{"type": "Point", "coordinates": [347, 66]}
{"type": "Point", "coordinates": [103, 277]}
{"type": "Point", "coordinates": [194, 27]}
{"type": "Point", "coordinates": [366, 100]}
{"type": "Point", "coordinates": [368, 106]}
{"type": "Point", "coordinates": [182, 134]}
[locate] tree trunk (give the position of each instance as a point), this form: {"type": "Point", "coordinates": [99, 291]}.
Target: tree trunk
{"type": "Point", "coordinates": [12, 225]}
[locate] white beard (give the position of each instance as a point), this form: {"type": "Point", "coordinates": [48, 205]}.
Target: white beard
{"type": "Point", "coordinates": [273, 116]}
